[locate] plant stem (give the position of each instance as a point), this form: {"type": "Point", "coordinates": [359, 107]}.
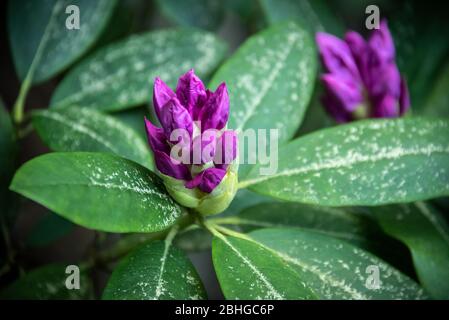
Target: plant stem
{"type": "Point", "coordinates": [27, 82]}
{"type": "Point", "coordinates": [126, 244]}
{"type": "Point", "coordinates": [22, 133]}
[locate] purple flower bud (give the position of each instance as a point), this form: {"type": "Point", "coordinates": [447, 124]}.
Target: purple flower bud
{"type": "Point", "coordinates": [227, 148]}
{"type": "Point", "coordinates": [204, 147]}
{"type": "Point", "coordinates": [174, 116]}
{"type": "Point", "coordinates": [207, 180]}
{"type": "Point", "coordinates": [384, 79]}
{"type": "Point", "coordinates": [191, 93]}
{"type": "Point", "coordinates": [346, 94]}
{"type": "Point", "coordinates": [156, 138]}
{"type": "Point", "coordinates": [336, 56]}
{"type": "Point", "coordinates": [168, 166]}
{"type": "Point", "coordinates": [161, 95]}
{"type": "Point", "coordinates": [386, 107]}
{"type": "Point", "coordinates": [193, 120]}
{"type": "Point", "coordinates": [215, 112]}
{"type": "Point", "coordinates": [362, 78]}
{"type": "Point", "coordinates": [381, 43]}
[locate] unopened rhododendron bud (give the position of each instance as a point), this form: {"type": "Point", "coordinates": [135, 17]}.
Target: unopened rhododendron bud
{"type": "Point", "coordinates": [362, 79]}
{"type": "Point", "coordinates": [194, 153]}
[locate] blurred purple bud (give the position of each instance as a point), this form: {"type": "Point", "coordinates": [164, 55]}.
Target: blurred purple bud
{"type": "Point", "coordinates": [336, 56]}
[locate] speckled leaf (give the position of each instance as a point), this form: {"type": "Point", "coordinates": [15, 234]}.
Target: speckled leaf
{"type": "Point", "coordinates": [43, 23]}
{"type": "Point", "coordinates": [315, 15]}
{"type": "Point", "coordinates": [333, 222]}
{"type": "Point", "coordinates": [48, 229]}
{"type": "Point", "coordinates": [426, 233]}
{"type": "Point", "coordinates": [334, 269]}
{"type": "Point", "coordinates": [274, 82]}
{"type": "Point", "coordinates": [204, 14]}
{"type": "Point", "coordinates": [81, 129]}
{"type": "Point", "coordinates": [155, 271]}
{"type": "Point", "coordinates": [121, 75]}
{"type": "Point", "coordinates": [368, 162]}
{"type": "Point", "coordinates": [98, 191]}
{"type": "Point", "coordinates": [247, 270]}
{"type": "Point", "coordinates": [133, 119]}
{"type": "Point", "coordinates": [47, 283]}
{"type": "Point", "coordinates": [244, 198]}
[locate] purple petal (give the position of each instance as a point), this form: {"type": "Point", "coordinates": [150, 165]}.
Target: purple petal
{"type": "Point", "coordinates": [384, 80]}
{"type": "Point", "coordinates": [215, 112]}
{"type": "Point", "coordinates": [174, 116]}
{"type": "Point", "coordinates": [404, 98]}
{"type": "Point", "coordinates": [336, 56]}
{"type": "Point", "coordinates": [381, 42]}
{"type": "Point", "coordinates": [358, 47]}
{"type": "Point", "coordinates": [191, 93]}
{"type": "Point", "coordinates": [207, 180]}
{"type": "Point", "coordinates": [161, 95]}
{"type": "Point", "coordinates": [227, 148]}
{"type": "Point", "coordinates": [386, 107]}
{"type": "Point", "coordinates": [345, 94]}
{"type": "Point", "coordinates": [204, 147]}
{"type": "Point", "coordinates": [156, 137]}
{"type": "Point", "coordinates": [170, 167]}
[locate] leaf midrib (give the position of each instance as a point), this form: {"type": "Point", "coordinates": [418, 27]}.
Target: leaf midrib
{"type": "Point", "coordinates": [269, 83]}
{"type": "Point", "coordinates": [344, 163]}
{"type": "Point", "coordinates": [80, 128]}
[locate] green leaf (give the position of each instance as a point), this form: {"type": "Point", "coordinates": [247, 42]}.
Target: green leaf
{"type": "Point", "coordinates": [81, 129]}
{"type": "Point", "coordinates": [155, 271]}
{"type": "Point", "coordinates": [316, 117]}
{"type": "Point", "coordinates": [98, 191]}
{"type": "Point", "coordinates": [204, 14]}
{"type": "Point", "coordinates": [333, 222]}
{"type": "Point", "coordinates": [369, 162]}
{"type": "Point", "coordinates": [270, 81]}
{"type": "Point", "coordinates": [42, 25]}
{"type": "Point", "coordinates": [193, 239]}
{"type": "Point", "coordinates": [437, 103]}
{"type": "Point", "coordinates": [133, 119]}
{"type": "Point", "coordinates": [419, 31]}
{"type": "Point", "coordinates": [46, 283]}
{"type": "Point", "coordinates": [315, 15]}
{"type": "Point", "coordinates": [48, 229]}
{"type": "Point", "coordinates": [247, 270]}
{"type": "Point", "coordinates": [121, 75]}
{"type": "Point", "coordinates": [334, 269]}
{"type": "Point", "coordinates": [244, 198]}
{"type": "Point", "coordinates": [426, 233]}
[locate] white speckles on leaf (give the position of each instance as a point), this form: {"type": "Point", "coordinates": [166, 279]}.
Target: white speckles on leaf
{"type": "Point", "coordinates": [155, 271]}
{"type": "Point", "coordinates": [334, 269]}
{"type": "Point", "coordinates": [81, 129]}
{"type": "Point", "coordinates": [363, 163]}
{"type": "Point", "coordinates": [99, 191]}
{"type": "Point", "coordinates": [120, 75]}
{"type": "Point", "coordinates": [260, 92]}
